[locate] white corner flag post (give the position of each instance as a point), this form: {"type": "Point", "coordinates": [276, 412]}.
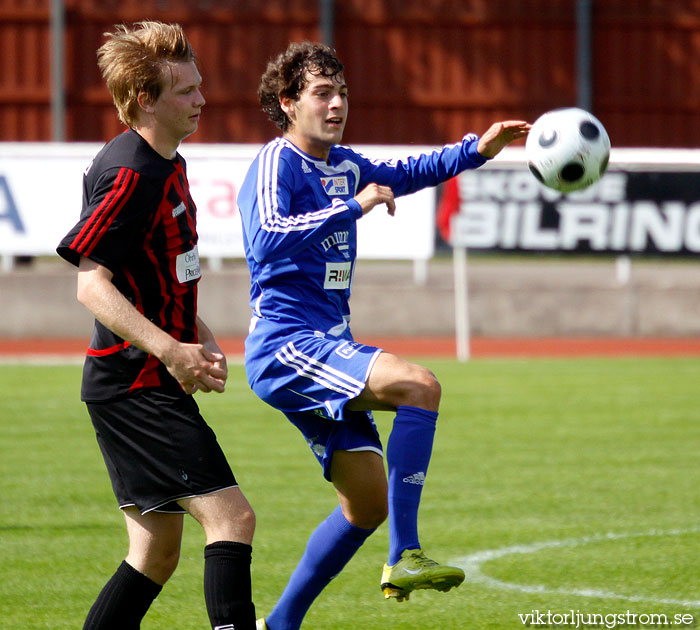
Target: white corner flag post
{"type": "Point", "coordinates": [461, 289]}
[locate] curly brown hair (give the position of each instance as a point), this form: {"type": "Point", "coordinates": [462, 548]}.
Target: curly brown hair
{"type": "Point", "coordinates": [286, 76]}
{"type": "Point", "coordinates": [135, 59]}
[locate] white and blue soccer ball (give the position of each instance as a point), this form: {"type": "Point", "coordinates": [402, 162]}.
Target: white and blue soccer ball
{"type": "Point", "coordinates": [567, 149]}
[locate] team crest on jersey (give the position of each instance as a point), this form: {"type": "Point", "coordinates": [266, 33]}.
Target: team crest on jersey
{"type": "Point", "coordinates": [335, 185]}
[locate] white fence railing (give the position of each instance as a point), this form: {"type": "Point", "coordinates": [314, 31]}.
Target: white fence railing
{"type": "Point", "coordinates": [41, 188]}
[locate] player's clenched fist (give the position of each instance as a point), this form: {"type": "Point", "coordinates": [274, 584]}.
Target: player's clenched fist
{"type": "Point", "coordinates": [373, 195]}
{"type": "Point", "coordinates": [196, 368]}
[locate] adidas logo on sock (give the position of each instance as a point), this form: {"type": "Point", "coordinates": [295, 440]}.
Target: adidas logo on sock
{"type": "Point", "coordinates": [417, 479]}
{"type": "Point", "coordinates": [229, 626]}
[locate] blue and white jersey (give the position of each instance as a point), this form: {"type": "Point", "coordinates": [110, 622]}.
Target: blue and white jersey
{"type": "Point", "coordinates": [299, 226]}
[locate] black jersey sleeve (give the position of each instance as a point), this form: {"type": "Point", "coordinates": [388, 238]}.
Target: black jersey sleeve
{"type": "Point", "coordinates": [118, 203]}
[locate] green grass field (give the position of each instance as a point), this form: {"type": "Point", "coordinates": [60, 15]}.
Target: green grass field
{"type": "Point", "coordinates": [535, 463]}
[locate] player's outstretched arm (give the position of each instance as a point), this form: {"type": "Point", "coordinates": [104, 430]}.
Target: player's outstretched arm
{"type": "Point", "coordinates": [501, 134]}
{"type": "Point", "coordinates": [192, 365]}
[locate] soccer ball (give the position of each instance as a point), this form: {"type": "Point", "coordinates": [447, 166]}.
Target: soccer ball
{"type": "Point", "coordinates": [567, 149]}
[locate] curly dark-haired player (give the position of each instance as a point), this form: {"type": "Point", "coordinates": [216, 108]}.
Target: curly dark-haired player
{"type": "Point", "coordinates": [300, 203]}
{"type": "Point", "coordinates": [136, 248]}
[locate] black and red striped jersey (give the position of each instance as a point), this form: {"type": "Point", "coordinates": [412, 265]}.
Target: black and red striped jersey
{"type": "Point", "coordinates": [138, 220]}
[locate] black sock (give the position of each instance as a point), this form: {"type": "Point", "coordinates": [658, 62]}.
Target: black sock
{"type": "Point", "coordinates": [227, 589]}
{"type": "Point", "coordinates": [123, 601]}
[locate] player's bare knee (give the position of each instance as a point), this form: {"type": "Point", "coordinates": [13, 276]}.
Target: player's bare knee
{"type": "Point", "coordinates": [168, 563]}
{"type": "Point", "coordinates": [425, 390]}
{"type": "Point", "coordinates": [367, 517]}
{"type": "Point", "coordinates": [379, 513]}
{"type": "Point", "coordinates": [433, 391]}
{"type": "Point", "coordinates": [380, 516]}
{"type": "Point", "coordinates": [238, 526]}
{"type": "Point", "coordinates": [245, 521]}
{"type": "Point", "coordinates": [158, 565]}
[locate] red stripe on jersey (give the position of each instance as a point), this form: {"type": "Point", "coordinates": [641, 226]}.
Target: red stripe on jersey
{"type": "Point", "coordinates": [148, 376]}
{"type": "Point", "coordinates": [91, 352]}
{"type": "Point", "coordinates": [171, 290]}
{"type": "Point", "coordinates": [184, 187]}
{"type": "Point", "coordinates": [135, 291]}
{"type": "Point", "coordinates": [105, 213]}
{"type": "Point", "coordinates": [95, 217]}
{"type": "Point", "coordinates": [157, 266]}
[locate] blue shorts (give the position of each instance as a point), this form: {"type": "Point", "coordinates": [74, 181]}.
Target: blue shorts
{"type": "Point", "coordinates": [357, 432]}
{"type": "Point", "coordinates": [299, 370]}
{"type": "Point", "coordinates": [310, 378]}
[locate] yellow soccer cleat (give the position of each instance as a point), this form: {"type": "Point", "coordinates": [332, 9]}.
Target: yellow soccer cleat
{"type": "Point", "coordinates": [416, 571]}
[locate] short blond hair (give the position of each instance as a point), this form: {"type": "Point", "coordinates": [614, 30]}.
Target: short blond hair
{"type": "Point", "coordinates": [136, 59]}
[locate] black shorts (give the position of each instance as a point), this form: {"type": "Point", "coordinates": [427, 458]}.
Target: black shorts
{"type": "Point", "coordinates": [158, 449]}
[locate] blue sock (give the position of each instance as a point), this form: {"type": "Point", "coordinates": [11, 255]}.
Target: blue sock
{"type": "Point", "coordinates": [329, 549]}
{"type": "Point", "coordinates": [408, 455]}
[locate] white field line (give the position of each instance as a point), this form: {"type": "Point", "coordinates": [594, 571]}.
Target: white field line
{"type": "Point", "coordinates": [473, 563]}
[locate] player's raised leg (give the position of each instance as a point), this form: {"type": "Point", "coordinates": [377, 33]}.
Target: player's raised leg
{"type": "Point", "coordinates": [414, 392]}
